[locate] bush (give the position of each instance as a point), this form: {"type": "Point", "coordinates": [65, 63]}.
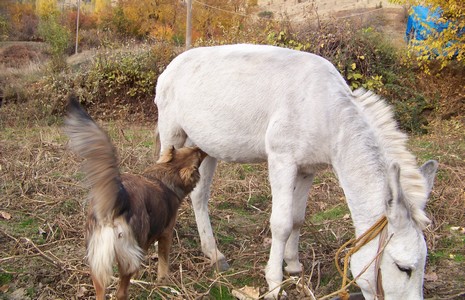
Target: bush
{"type": "Point", "coordinates": [124, 75]}
{"type": "Point", "coordinates": [114, 84]}
{"type": "Point", "coordinates": [3, 29]}
{"type": "Point", "coordinates": [58, 37]}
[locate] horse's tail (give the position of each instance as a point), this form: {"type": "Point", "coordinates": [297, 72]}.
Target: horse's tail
{"type": "Point", "coordinates": [89, 141]}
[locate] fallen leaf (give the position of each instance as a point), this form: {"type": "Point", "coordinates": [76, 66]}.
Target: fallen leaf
{"type": "Point", "coordinates": [4, 288]}
{"type": "Point", "coordinates": [81, 292]}
{"type": "Point", "coordinates": [246, 293]}
{"type": "Point", "coordinates": [431, 276]}
{"type": "Point", "coordinates": [266, 242]}
{"type": "Point", "coordinates": [458, 228]}
{"type": "Point", "coordinates": [5, 215]}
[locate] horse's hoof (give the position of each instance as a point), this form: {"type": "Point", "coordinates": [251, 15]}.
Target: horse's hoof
{"type": "Point", "coordinates": [221, 265]}
{"type": "Point", "coordinates": [353, 296]}
{"type": "Point", "coordinates": [281, 296]}
{"type": "Point", "coordinates": [293, 271]}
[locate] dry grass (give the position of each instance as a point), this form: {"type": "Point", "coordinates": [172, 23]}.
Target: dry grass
{"type": "Point", "coordinates": [42, 249]}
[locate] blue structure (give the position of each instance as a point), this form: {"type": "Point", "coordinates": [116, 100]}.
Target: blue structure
{"type": "Point", "coordinates": [422, 22]}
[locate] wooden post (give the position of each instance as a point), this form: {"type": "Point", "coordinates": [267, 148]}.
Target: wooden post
{"type": "Point", "coordinates": [77, 25]}
{"type": "Point", "coordinates": [189, 25]}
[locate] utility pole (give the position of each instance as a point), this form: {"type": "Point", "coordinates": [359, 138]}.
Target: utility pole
{"type": "Point", "coordinates": [77, 25]}
{"type": "Point", "coordinates": [189, 25]}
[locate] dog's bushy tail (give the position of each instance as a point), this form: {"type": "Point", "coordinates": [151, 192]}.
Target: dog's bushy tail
{"type": "Point", "coordinates": [100, 165]}
{"type": "Point", "coordinates": [109, 242]}
{"type": "Point", "coordinates": [111, 237]}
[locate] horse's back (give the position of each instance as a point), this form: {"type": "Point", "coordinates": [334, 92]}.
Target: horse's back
{"type": "Point", "coordinates": [228, 99]}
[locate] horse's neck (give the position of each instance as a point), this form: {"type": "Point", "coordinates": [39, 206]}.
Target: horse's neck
{"type": "Point", "coordinates": [360, 166]}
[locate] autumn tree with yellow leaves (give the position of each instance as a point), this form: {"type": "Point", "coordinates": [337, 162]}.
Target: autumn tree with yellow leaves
{"type": "Point", "coordinates": [46, 8]}
{"type": "Point", "coordinates": [448, 45]}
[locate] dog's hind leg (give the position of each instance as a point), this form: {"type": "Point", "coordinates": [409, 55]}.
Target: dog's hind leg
{"type": "Point", "coordinates": [123, 288]}
{"type": "Point", "coordinates": [99, 288]}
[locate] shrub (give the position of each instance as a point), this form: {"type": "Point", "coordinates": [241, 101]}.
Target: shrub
{"type": "Point", "coordinates": [3, 28]}
{"type": "Point", "coordinates": [115, 83]}
{"type": "Point", "coordinates": [22, 21]}
{"type": "Point", "coordinates": [266, 14]}
{"type": "Point", "coordinates": [124, 75]}
{"type": "Point", "coordinates": [58, 37]}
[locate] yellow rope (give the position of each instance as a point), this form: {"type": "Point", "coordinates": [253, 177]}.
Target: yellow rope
{"type": "Point", "coordinates": [355, 245]}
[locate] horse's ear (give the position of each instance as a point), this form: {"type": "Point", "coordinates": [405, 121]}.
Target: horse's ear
{"type": "Point", "coordinates": [397, 210]}
{"type": "Point", "coordinates": [166, 156]}
{"type": "Point", "coordinates": [428, 169]}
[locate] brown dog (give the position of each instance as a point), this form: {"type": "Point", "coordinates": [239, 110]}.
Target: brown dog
{"type": "Point", "coordinates": [127, 213]}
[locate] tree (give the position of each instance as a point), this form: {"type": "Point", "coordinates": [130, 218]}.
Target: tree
{"type": "Point", "coordinates": [58, 38]}
{"type": "Point", "coordinates": [46, 8]}
{"type": "Point", "coordinates": [101, 5]}
{"type": "Point", "coordinates": [448, 45]}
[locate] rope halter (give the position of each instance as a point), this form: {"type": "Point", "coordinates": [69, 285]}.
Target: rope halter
{"type": "Point", "coordinates": [379, 228]}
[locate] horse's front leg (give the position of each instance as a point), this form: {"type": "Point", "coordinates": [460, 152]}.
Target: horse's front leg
{"type": "Point", "coordinates": [282, 180]}
{"type": "Point", "coordinates": [291, 254]}
{"type": "Point", "coordinates": [199, 197]}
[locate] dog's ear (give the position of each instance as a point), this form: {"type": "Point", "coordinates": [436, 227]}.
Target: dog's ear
{"type": "Point", "coordinates": [187, 174]}
{"type": "Point", "coordinates": [166, 156]}
{"type": "Point", "coordinates": [201, 153]}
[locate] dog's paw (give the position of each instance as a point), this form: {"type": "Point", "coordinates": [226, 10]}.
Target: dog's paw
{"type": "Point", "coordinates": [163, 280]}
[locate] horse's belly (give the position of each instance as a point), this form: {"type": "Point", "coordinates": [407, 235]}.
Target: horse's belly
{"type": "Point", "coordinates": [228, 144]}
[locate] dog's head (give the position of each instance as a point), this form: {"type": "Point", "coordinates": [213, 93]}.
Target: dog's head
{"type": "Point", "coordinates": [185, 162]}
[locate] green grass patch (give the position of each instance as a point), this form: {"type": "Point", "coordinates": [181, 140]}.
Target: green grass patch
{"type": "Point", "coordinates": [23, 226]}
{"type": "Point", "coordinates": [259, 200]}
{"type": "Point", "coordinates": [435, 256]}
{"type": "Point", "coordinates": [219, 292]}
{"type": "Point", "coordinates": [248, 168]}
{"type": "Point", "coordinates": [5, 278]}
{"type": "Point", "coordinates": [225, 239]}
{"type": "Point", "coordinates": [333, 213]}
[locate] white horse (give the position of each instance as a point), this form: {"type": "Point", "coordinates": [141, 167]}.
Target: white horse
{"type": "Point", "coordinates": [253, 103]}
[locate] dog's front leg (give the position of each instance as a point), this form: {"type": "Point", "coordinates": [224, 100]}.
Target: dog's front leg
{"type": "Point", "coordinates": [164, 247]}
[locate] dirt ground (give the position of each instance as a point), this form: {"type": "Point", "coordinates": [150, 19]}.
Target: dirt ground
{"type": "Point", "coordinates": [42, 210]}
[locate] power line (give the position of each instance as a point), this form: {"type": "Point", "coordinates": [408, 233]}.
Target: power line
{"type": "Point", "coordinates": [220, 9]}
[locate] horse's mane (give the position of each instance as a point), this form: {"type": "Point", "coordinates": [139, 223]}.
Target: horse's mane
{"type": "Point", "coordinates": [393, 142]}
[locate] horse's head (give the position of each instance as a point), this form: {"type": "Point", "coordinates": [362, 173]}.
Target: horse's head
{"type": "Point", "coordinates": [402, 261]}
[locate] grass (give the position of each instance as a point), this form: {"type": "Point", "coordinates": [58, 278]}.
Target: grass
{"type": "Point", "coordinates": [334, 213]}
{"type": "Point", "coordinates": [42, 188]}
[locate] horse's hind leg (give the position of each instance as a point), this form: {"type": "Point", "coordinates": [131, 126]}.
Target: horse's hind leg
{"type": "Point", "coordinates": [199, 197]}
{"type": "Point", "coordinates": [170, 134]}
{"type": "Point", "coordinates": [282, 179]}
{"type": "Point", "coordinates": [299, 204]}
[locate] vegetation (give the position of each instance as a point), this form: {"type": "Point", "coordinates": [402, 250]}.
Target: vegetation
{"type": "Point", "coordinates": [447, 46]}
{"type": "Point", "coordinates": [123, 50]}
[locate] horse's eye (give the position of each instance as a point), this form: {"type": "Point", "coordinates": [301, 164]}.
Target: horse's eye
{"type": "Point", "coordinates": [406, 270]}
